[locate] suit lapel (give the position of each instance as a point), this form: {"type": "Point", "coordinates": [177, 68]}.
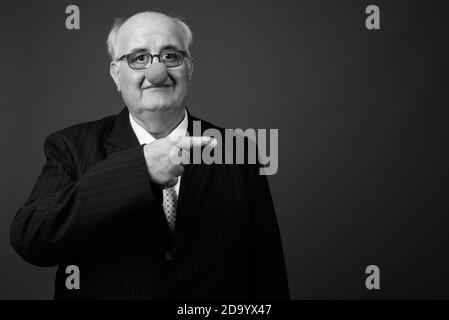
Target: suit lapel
{"type": "Point", "coordinates": [193, 184]}
{"type": "Point", "coordinates": [122, 137]}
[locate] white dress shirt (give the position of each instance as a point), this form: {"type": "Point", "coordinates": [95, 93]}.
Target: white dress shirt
{"type": "Point", "coordinates": [144, 137]}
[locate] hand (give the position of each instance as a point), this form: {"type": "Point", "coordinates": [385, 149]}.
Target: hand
{"type": "Point", "coordinates": [163, 171]}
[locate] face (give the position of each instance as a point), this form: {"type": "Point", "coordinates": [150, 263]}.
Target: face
{"type": "Point", "coordinates": [153, 33]}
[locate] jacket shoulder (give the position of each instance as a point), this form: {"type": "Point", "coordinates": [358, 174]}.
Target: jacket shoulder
{"type": "Point", "coordinates": [96, 129]}
{"type": "Point", "coordinates": [81, 145]}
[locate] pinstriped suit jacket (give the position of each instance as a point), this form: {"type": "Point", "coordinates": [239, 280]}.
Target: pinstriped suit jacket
{"type": "Point", "coordinates": [95, 207]}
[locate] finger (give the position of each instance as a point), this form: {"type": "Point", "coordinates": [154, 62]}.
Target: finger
{"type": "Point", "coordinates": [179, 156]}
{"type": "Point", "coordinates": [183, 152]}
{"type": "Point", "coordinates": [185, 156]}
{"type": "Point", "coordinates": [174, 139]}
{"type": "Point", "coordinates": [195, 142]}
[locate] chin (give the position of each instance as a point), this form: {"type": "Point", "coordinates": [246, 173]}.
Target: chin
{"type": "Point", "coordinates": [157, 107]}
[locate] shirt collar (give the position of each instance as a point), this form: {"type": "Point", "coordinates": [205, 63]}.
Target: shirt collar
{"type": "Point", "coordinates": [144, 137]}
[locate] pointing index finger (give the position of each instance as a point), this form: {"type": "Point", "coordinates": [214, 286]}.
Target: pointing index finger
{"type": "Point", "coordinates": [195, 142]}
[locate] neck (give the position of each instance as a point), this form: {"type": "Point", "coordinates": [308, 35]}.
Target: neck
{"type": "Point", "coordinates": [159, 124]}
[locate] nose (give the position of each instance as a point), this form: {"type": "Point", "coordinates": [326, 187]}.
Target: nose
{"type": "Point", "coordinates": [156, 74]}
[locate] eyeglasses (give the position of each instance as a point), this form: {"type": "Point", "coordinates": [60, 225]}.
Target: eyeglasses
{"type": "Point", "coordinates": [141, 60]}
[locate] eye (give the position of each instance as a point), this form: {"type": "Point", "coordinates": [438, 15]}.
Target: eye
{"type": "Point", "coordinates": [170, 56]}
{"type": "Point", "coordinates": [139, 59]}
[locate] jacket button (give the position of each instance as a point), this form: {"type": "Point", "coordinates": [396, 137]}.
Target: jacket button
{"type": "Point", "coordinates": [169, 256]}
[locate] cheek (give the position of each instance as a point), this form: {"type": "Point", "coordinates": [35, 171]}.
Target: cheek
{"type": "Point", "coordinates": [182, 79]}
{"type": "Point", "coordinates": [130, 80]}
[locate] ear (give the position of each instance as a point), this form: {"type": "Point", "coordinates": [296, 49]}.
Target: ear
{"type": "Point", "coordinates": [191, 67]}
{"type": "Point", "coordinates": [114, 71]}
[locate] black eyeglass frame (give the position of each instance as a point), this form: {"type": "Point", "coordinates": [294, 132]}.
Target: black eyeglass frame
{"type": "Point", "coordinates": [183, 53]}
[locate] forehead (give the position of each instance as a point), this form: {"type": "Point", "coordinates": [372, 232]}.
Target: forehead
{"type": "Point", "coordinates": [148, 31]}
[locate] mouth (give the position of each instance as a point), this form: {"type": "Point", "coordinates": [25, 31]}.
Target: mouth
{"type": "Point", "coordinates": [157, 87]}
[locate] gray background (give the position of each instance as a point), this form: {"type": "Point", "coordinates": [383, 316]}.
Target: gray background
{"type": "Point", "coordinates": [361, 116]}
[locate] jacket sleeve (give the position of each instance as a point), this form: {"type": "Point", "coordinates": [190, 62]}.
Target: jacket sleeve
{"type": "Point", "coordinates": [64, 209]}
{"type": "Point", "coordinates": [267, 273]}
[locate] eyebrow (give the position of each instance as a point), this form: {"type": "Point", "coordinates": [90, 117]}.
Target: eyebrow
{"type": "Point", "coordinates": [138, 50]}
{"type": "Point", "coordinates": [167, 47]}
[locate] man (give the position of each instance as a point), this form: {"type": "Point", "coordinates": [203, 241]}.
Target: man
{"type": "Point", "coordinates": [111, 201]}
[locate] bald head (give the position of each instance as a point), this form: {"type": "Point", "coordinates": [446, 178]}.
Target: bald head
{"type": "Point", "coordinates": [123, 30]}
